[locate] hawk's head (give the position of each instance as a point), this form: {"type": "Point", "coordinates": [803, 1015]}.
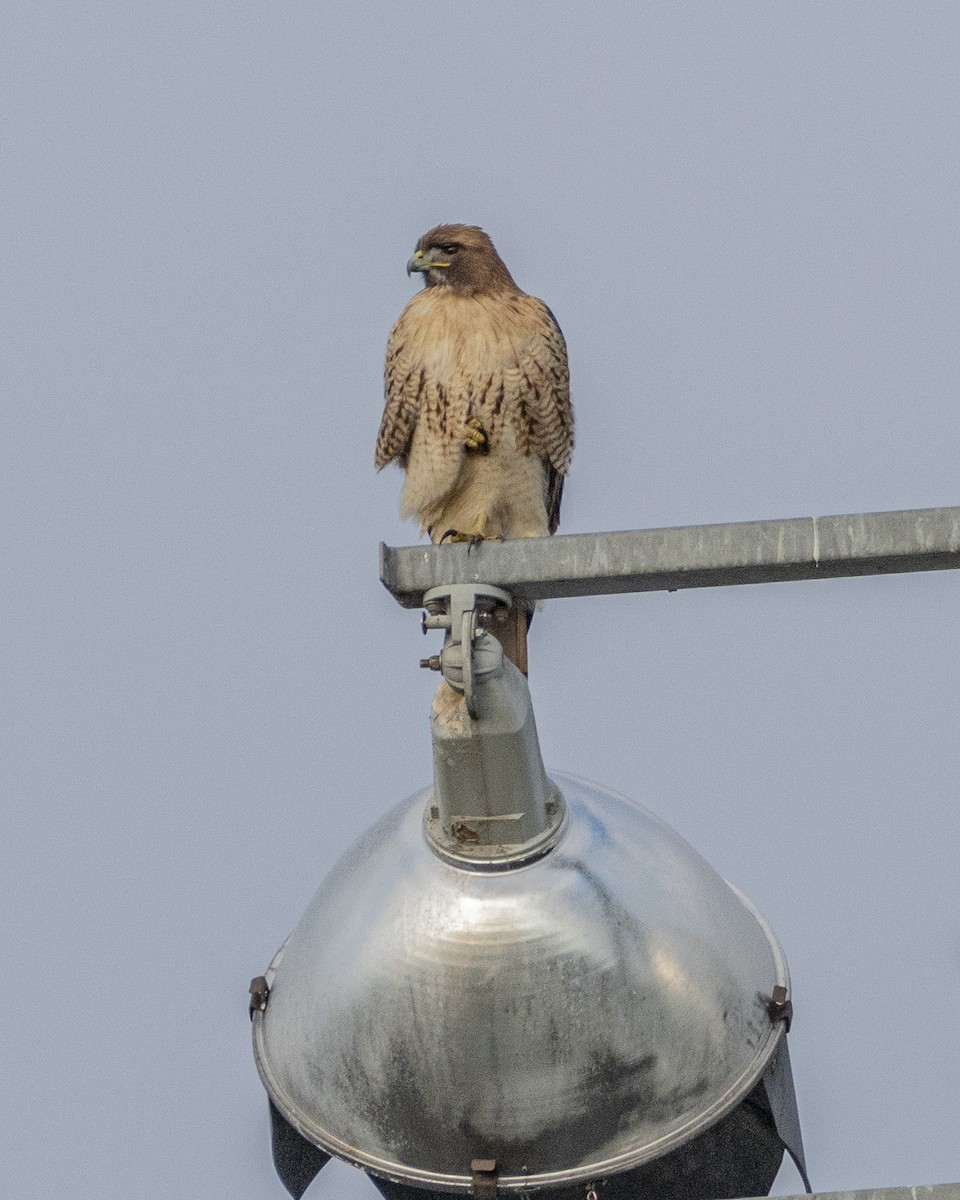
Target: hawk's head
{"type": "Point", "coordinates": [460, 257]}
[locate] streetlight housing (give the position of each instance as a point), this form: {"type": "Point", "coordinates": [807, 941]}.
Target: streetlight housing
{"type": "Point", "coordinates": [590, 1007]}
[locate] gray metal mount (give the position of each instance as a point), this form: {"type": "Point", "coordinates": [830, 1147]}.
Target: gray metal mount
{"type": "Point", "coordinates": [461, 611]}
{"type": "Point", "coordinates": [492, 806]}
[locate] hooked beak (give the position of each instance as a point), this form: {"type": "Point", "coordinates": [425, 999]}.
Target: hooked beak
{"type": "Point", "coordinates": [426, 260]}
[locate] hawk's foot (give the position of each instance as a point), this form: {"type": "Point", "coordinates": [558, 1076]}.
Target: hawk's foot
{"type": "Point", "coordinates": [475, 439]}
{"type": "Point", "coordinates": [454, 535]}
{"type": "Point", "coordinates": [471, 539]}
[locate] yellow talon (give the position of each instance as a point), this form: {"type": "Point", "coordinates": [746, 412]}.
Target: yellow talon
{"type": "Point", "coordinates": [476, 437]}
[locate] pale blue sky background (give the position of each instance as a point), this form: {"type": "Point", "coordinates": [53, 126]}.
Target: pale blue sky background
{"type": "Point", "coordinates": [745, 217]}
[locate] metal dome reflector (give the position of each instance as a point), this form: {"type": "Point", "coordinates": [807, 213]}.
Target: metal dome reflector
{"type": "Point", "coordinates": [585, 1006]}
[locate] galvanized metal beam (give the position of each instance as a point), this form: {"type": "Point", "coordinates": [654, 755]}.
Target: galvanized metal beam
{"type": "Point", "coordinates": [940, 1191]}
{"type": "Point", "coordinates": [649, 560]}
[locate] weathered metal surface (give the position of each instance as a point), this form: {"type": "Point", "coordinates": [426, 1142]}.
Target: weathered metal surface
{"type": "Point", "coordinates": [596, 1010]}
{"type": "Point", "coordinates": [591, 564]}
{"type": "Point", "coordinates": [940, 1191]}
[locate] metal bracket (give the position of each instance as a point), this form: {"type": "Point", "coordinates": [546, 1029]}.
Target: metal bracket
{"type": "Point", "coordinates": [259, 995]}
{"type": "Point", "coordinates": [460, 610]}
{"type": "Point", "coordinates": [780, 1006]}
{"type": "Point", "coordinates": [484, 1173]}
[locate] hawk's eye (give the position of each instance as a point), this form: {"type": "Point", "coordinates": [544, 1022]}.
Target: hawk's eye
{"type": "Point", "coordinates": [449, 248]}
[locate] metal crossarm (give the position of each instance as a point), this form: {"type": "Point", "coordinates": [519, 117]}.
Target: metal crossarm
{"type": "Point", "coordinates": [649, 560]}
{"type": "Point", "coordinates": [940, 1191]}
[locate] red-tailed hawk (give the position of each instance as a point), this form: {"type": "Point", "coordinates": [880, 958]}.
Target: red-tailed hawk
{"type": "Point", "coordinates": [477, 396]}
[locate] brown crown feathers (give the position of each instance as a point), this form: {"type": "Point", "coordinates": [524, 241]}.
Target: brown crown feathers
{"type": "Point", "coordinates": [474, 264]}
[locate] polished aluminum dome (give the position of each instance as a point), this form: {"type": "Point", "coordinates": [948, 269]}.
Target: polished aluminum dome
{"type": "Point", "coordinates": [573, 1017]}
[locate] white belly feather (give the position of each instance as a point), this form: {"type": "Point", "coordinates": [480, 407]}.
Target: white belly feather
{"type": "Point", "coordinates": [501, 494]}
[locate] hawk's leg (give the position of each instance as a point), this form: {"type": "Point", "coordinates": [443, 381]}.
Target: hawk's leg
{"type": "Point", "coordinates": [475, 439]}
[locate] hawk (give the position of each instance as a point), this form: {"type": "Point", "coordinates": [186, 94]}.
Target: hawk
{"type": "Point", "coordinates": [477, 396]}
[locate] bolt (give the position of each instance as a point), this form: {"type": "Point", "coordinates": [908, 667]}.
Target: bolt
{"type": "Point", "coordinates": [432, 663]}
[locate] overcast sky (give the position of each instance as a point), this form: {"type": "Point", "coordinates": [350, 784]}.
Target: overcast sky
{"type": "Point", "coordinates": [745, 217]}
